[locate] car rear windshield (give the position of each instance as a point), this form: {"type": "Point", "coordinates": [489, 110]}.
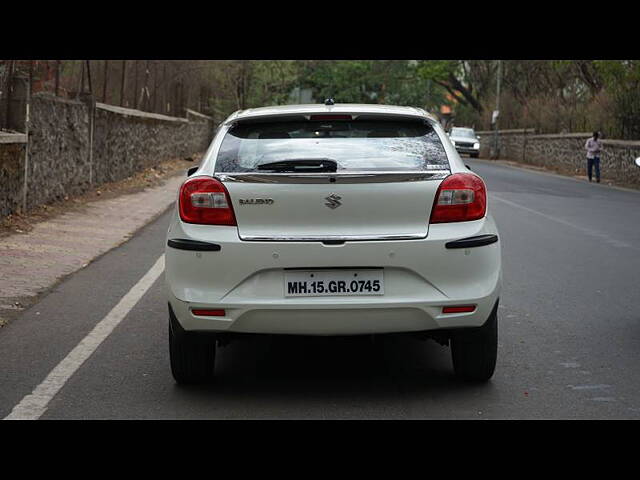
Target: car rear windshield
{"type": "Point", "coordinates": [350, 145]}
{"type": "Point", "coordinates": [463, 132]}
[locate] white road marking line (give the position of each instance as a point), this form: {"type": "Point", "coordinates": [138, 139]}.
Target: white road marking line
{"type": "Point", "coordinates": [34, 405]}
{"type": "Point", "coordinates": [588, 387]}
{"type": "Point", "coordinates": [570, 364]}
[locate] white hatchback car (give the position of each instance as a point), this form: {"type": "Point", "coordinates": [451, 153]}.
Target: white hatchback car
{"type": "Point", "coordinates": [332, 220]}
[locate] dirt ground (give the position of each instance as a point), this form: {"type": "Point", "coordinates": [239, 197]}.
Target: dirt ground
{"type": "Point", "coordinates": [151, 177]}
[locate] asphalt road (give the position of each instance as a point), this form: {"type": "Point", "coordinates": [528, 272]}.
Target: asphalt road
{"type": "Point", "coordinates": [569, 341]}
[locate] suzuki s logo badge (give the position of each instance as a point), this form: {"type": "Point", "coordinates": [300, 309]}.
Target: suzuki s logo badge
{"type": "Point", "coordinates": [333, 201]}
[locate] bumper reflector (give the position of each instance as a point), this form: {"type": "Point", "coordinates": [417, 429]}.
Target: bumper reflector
{"type": "Point", "coordinates": [459, 309]}
{"type": "Point", "coordinates": [208, 313]}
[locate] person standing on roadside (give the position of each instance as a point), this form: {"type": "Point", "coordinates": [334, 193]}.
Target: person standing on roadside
{"type": "Point", "coordinates": [593, 147]}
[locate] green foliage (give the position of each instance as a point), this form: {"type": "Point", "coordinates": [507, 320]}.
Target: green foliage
{"type": "Point", "coordinates": [437, 69]}
{"type": "Point", "coordinates": [619, 74]}
{"type": "Point", "coordinates": [347, 81]}
{"type": "Point", "coordinates": [622, 81]}
{"type": "Point", "coordinates": [550, 95]}
{"type": "Point", "coordinates": [397, 82]}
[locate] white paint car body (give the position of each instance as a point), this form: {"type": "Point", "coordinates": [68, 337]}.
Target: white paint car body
{"type": "Point", "coordinates": [287, 227]}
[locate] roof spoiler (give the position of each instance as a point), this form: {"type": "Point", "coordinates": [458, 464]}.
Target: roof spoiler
{"type": "Point", "coordinates": [308, 116]}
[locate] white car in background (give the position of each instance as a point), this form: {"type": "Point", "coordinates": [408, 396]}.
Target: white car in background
{"type": "Point", "coordinates": [465, 140]}
{"type": "Point", "coordinates": [332, 220]}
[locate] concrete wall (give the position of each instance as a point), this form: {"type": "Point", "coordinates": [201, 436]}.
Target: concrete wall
{"type": "Point", "coordinates": [67, 156]}
{"type": "Point", "coordinates": [565, 153]}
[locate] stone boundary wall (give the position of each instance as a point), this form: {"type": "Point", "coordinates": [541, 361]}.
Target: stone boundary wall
{"type": "Point", "coordinates": [58, 163]}
{"type": "Point", "coordinates": [12, 150]}
{"type": "Point", "coordinates": [74, 145]}
{"type": "Point", "coordinates": [126, 141]}
{"type": "Point", "coordinates": [565, 153]}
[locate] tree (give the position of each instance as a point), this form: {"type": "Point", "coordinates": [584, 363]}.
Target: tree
{"type": "Point", "coordinates": [370, 81]}
{"type": "Point", "coordinates": [457, 78]}
{"type": "Point", "coordinates": [622, 80]}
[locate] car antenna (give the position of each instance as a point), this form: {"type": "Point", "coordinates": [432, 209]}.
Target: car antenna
{"type": "Point", "coordinates": [329, 101]}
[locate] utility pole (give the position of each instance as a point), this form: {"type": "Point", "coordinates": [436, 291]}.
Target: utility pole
{"type": "Point", "coordinates": [81, 88]}
{"type": "Point", "coordinates": [496, 113]}
{"type": "Point", "coordinates": [88, 77]}
{"type": "Point", "coordinates": [144, 95]}
{"type": "Point", "coordinates": [27, 126]}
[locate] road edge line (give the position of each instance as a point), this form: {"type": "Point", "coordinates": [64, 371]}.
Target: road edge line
{"type": "Point", "coordinates": [35, 404]}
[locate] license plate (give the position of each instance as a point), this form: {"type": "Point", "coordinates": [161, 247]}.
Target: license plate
{"type": "Point", "coordinates": [324, 283]}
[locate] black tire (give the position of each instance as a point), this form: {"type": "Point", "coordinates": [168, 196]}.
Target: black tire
{"type": "Point", "coordinates": [475, 351]}
{"type": "Point", "coordinates": [192, 356]}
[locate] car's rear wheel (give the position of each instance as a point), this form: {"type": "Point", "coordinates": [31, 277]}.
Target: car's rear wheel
{"type": "Point", "coordinates": [192, 356]}
{"type": "Point", "coordinates": [474, 351]}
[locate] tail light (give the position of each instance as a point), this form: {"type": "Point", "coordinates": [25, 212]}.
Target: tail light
{"type": "Point", "coordinates": [461, 197]}
{"type": "Point", "coordinates": [459, 309]}
{"type": "Point", "coordinates": [206, 201]}
{"type": "Point", "coordinates": [330, 117]}
{"type": "Point", "coordinates": [208, 313]}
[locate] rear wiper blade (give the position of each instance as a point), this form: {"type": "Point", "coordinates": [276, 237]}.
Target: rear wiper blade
{"type": "Point", "coordinates": [301, 165]}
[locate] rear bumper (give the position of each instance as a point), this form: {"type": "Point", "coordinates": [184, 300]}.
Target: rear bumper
{"type": "Point", "coordinates": [337, 319]}
{"type": "Point", "coordinates": [246, 279]}
{"type": "Point", "coordinates": [467, 149]}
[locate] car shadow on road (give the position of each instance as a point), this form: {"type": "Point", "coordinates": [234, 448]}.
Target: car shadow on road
{"type": "Point", "coordinates": [346, 370]}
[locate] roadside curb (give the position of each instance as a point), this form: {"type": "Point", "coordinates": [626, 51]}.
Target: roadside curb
{"type": "Point", "coordinates": [33, 263]}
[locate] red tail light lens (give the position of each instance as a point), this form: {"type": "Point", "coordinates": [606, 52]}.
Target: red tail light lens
{"type": "Point", "coordinates": [208, 313]}
{"type": "Point", "coordinates": [331, 117]}
{"type": "Point", "coordinates": [459, 309]}
{"type": "Point", "coordinates": [461, 197]}
{"type": "Point", "coordinates": [205, 200]}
